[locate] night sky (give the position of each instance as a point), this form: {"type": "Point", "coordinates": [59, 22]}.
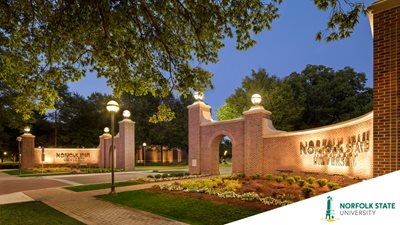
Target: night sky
{"type": "Point", "coordinates": [287, 48]}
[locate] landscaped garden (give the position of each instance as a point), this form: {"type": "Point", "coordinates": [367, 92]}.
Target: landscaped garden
{"type": "Point", "coordinates": [244, 196]}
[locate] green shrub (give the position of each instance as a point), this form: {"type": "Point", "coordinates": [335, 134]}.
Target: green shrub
{"type": "Point", "coordinates": [297, 178]}
{"type": "Point", "coordinates": [284, 176]}
{"type": "Point", "coordinates": [241, 175]}
{"type": "Point", "coordinates": [278, 179]}
{"type": "Point", "coordinates": [157, 176]}
{"type": "Point", "coordinates": [255, 176]}
{"type": "Point", "coordinates": [290, 180]}
{"type": "Point", "coordinates": [268, 177]}
{"type": "Point", "coordinates": [308, 191]}
{"type": "Point", "coordinates": [311, 180]}
{"type": "Point", "coordinates": [301, 183]}
{"type": "Point", "coordinates": [322, 182]}
{"type": "Point", "coordinates": [150, 176]}
{"type": "Point", "coordinates": [333, 186]}
{"type": "Point", "coordinates": [164, 175]}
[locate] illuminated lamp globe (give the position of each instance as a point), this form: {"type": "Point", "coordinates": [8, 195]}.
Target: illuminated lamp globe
{"type": "Point", "coordinates": [144, 144]}
{"type": "Point", "coordinates": [256, 99]}
{"type": "Point", "coordinates": [112, 106]}
{"type": "Point", "coordinates": [106, 130]}
{"type": "Point", "coordinates": [126, 114]}
{"type": "Point", "coordinates": [198, 96]}
{"type": "Point", "coordinates": [27, 129]}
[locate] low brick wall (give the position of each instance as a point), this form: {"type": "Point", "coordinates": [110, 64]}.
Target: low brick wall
{"type": "Point", "coordinates": [67, 156]}
{"type": "Point", "coordinates": [344, 148]}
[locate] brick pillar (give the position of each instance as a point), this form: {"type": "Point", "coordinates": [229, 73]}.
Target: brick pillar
{"type": "Point", "coordinates": [253, 139]}
{"type": "Point", "coordinates": [27, 151]}
{"type": "Point", "coordinates": [126, 145]}
{"type": "Point", "coordinates": [385, 17]}
{"type": "Point", "coordinates": [105, 145]}
{"type": "Point", "coordinates": [198, 113]}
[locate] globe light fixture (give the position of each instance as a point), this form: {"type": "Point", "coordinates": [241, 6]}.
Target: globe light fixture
{"type": "Point", "coordinates": [106, 130]}
{"type": "Point", "coordinates": [144, 153]}
{"type": "Point", "coordinates": [112, 106]}
{"type": "Point", "coordinates": [256, 99]}
{"type": "Point", "coordinates": [27, 129]}
{"type": "Point", "coordinates": [198, 96]}
{"type": "Point", "coordinates": [126, 114]}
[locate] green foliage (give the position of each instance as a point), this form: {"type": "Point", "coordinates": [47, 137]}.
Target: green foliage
{"type": "Point", "coordinates": [140, 47]}
{"type": "Point", "coordinates": [308, 191]}
{"type": "Point", "coordinates": [241, 175]}
{"type": "Point", "coordinates": [297, 178]}
{"type": "Point", "coordinates": [322, 182]}
{"type": "Point", "coordinates": [311, 180]}
{"type": "Point", "coordinates": [290, 180]}
{"type": "Point", "coordinates": [284, 175]}
{"type": "Point", "coordinates": [268, 177]}
{"type": "Point", "coordinates": [278, 179]}
{"type": "Point", "coordinates": [301, 183]}
{"type": "Point", "coordinates": [157, 176]}
{"type": "Point", "coordinates": [315, 97]}
{"type": "Point", "coordinates": [91, 187]}
{"type": "Point", "coordinates": [227, 111]}
{"type": "Point", "coordinates": [333, 186]}
{"type": "Point", "coordinates": [255, 176]}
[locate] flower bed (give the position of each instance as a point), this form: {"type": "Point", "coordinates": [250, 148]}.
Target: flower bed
{"type": "Point", "coordinates": [223, 188]}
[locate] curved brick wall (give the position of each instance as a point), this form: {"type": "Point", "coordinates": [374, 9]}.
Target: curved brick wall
{"type": "Point", "coordinates": [345, 148]}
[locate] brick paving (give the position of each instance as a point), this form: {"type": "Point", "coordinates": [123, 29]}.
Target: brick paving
{"type": "Point", "coordinates": [84, 207]}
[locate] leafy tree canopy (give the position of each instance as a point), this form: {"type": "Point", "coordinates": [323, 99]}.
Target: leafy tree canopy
{"type": "Point", "coordinates": [140, 47]}
{"type": "Point", "coordinates": [315, 97]}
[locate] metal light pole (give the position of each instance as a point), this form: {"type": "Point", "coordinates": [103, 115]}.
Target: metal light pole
{"type": "Point", "coordinates": [106, 131]}
{"type": "Point", "coordinates": [19, 139]}
{"type": "Point", "coordinates": [144, 153]}
{"type": "Point", "coordinates": [113, 107]}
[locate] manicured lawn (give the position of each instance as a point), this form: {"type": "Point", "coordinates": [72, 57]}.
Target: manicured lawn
{"type": "Point", "coordinates": [34, 213]}
{"type": "Point", "coordinates": [16, 172]}
{"type": "Point", "coordinates": [90, 187]}
{"type": "Point", "coordinates": [185, 209]}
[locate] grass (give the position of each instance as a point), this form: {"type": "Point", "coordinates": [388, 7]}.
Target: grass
{"type": "Point", "coordinates": [91, 187]}
{"type": "Point", "coordinates": [16, 172]}
{"type": "Point", "coordinates": [28, 213]}
{"type": "Point", "coordinates": [185, 209]}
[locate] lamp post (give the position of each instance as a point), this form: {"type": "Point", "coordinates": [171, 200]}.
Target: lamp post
{"type": "Point", "coordinates": [112, 107]}
{"type": "Point", "coordinates": [19, 139]}
{"type": "Point", "coordinates": [144, 154]}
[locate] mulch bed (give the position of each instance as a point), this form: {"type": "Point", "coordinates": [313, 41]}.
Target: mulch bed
{"type": "Point", "coordinates": [268, 188]}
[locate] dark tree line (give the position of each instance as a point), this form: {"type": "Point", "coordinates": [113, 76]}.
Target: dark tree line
{"type": "Point", "coordinates": [78, 121]}
{"type": "Point", "coordinates": [316, 96]}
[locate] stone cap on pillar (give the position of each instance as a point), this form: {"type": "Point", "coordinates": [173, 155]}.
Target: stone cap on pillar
{"type": "Point", "coordinates": [27, 135]}
{"type": "Point", "coordinates": [257, 109]}
{"type": "Point", "coordinates": [126, 120]}
{"type": "Point", "coordinates": [105, 136]}
{"type": "Point", "coordinates": [200, 104]}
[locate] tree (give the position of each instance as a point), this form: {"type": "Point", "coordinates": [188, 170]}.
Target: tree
{"type": "Point", "coordinates": [140, 47]}
{"type": "Point", "coordinates": [315, 97]}
{"type": "Point", "coordinates": [277, 97]}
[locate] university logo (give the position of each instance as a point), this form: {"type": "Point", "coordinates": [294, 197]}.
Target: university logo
{"type": "Point", "coordinates": [330, 213]}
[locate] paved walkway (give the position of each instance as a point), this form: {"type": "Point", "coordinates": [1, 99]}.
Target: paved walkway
{"type": "Point", "coordinates": [84, 207]}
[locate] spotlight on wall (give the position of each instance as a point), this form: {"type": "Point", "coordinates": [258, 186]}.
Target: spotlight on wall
{"type": "Point", "coordinates": [27, 129]}
{"type": "Point", "coordinates": [126, 114]}
{"type": "Point", "coordinates": [198, 96]}
{"type": "Point", "coordinates": [256, 99]}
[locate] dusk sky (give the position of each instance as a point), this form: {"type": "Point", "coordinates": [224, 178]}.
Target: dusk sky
{"type": "Point", "coordinates": [287, 48]}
